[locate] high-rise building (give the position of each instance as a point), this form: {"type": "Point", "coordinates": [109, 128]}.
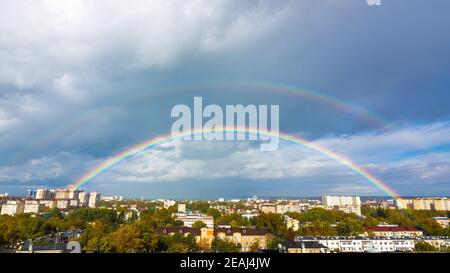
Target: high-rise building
{"type": "Point", "coordinates": [432, 203]}
{"type": "Point", "coordinates": [62, 194]}
{"type": "Point", "coordinates": [169, 203]}
{"type": "Point", "coordinates": [83, 198]}
{"type": "Point", "coordinates": [182, 208]}
{"type": "Point", "coordinates": [33, 207]}
{"type": "Point", "coordinates": [94, 197]}
{"type": "Point", "coordinates": [348, 204]}
{"type": "Point", "coordinates": [12, 208]}
{"type": "Point", "coordinates": [43, 194]}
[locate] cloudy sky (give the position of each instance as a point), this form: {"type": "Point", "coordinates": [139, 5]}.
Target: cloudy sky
{"type": "Point", "coordinates": [83, 80]}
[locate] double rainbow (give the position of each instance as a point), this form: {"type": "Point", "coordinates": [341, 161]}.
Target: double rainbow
{"type": "Point", "coordinates": [97, 170]}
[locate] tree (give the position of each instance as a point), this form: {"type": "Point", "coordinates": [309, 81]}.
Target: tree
{"type": "Point", "coordinates": [215, 213]}
{"type": "Point", "coordinates": [272, 222]}
{"type": "Point", "coordinates": [349, 227]}
{"type": "Point", "coordinates": [273, 243]}
{"type": "Point", "coordinates": [127, 239]}
{"type": "Point", "coordinates": [220, 245]}
{"type": "Point", "coordinates": [107, 216]}
{"type": "Point", "coordinates": [424, 247]}
{"type": "Point", "coordinates": [198, 224]}
{"type": "Point", "coordinates": [178, 248]}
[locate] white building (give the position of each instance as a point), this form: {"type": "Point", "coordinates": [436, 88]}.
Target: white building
{"type": "Point", "coordinates": [291, 223]}
{"type": "Point", "coordinates": [33, 207]}
{"type": "Point", "coordinates": [182, 208]}
{"type": "Point", "coordinates": [443, 221]}
{"type": "Point", "coordinates": [364, 244]}
{"type": "Point", "coordinates": [83, 198]}
{"type": "Point", "coordinates": [348, 204]}
{"type": "Point", "coordinates": [12, 208]}
{"type": "Point", "coordinates": [169, 203]}
{"type": "Point", "coordinates": [63, 204]}
{"type": "Point", "coordinates": [48, 203]}
{"type": "Point", "coordinates": [191, 218]}
{"type": "Point", "coordinates": [43, 194]}
{"type": "Point", "coordinates": [94, 197]}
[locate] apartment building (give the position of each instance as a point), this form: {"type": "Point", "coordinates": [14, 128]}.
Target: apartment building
{"type": "Point", "coordinates": [94, 198]}
{"type": "Point", "coordinates": [362, 244]}
{"type": "Point", "coordinates": [348, 204]}
{"type": "Point", "coordinates": [83, 199]}
{"type": "Point", "coordinates": [291, 223]}
{"type": "Point", "coordinates": [32, 207]}
{"type": "Point", "coordinates": [304, 247]}
{"type": "Point", "coordinates": [432, 203]}
{"type": "Point", "coordinates": [190, 218]}
{"type": "Point", "coordinates": [246, 236]}
{"type": "Point", "coordinates": [13, 207]}
{"type": "Point", "coordinates": [443, 221]}
{"type": "Point", "coordinates": [44, 194]}
{"type": "Point", "coordinates": [268, 208]}
{"type": "Point", "coordinates": [392, 231]}
{"type": "Point", "coordinates": [374, 244]}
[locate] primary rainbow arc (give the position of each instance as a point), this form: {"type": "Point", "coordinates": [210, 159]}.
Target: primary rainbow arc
{"type": "Point", "coordinates": [91, 174]}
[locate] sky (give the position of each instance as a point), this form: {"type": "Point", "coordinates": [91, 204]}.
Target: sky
{"type": "Point", "coordinates": [81, 81]}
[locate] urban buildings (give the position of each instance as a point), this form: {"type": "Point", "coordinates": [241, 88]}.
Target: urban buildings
{"type": "Point", "coordinates": [348, 204]}
{"type": "Point", "coordinates": [190, 218]}
{"type": "Point", "coordinates": [443, 221]}
{"type": "Point", "coordinates": [291, 223]}
{"type": "Point", "coordinates": [182, 208]}
{"type": "Point", "coordinates": [248, 237]}
{"type": "Point", "coordinates": [33, 207]}
{"type": "Point", "coordinates": [392, 231]}
{"type": "Point", "coordinates": [94, 197]}
{"type": "Point", "coordinates": [13, 207]}
{"type": "Point", "coordinates": [39, 199]}
{"type": "Point", "coordinates": [168, 203]}
{"type": "Point", "coordinates": [431, 203]}
{"type": "Point", "coordinates": [304, 247]}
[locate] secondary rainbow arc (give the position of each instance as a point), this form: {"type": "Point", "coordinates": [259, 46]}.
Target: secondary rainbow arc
{"type": "Point", "coordinates": [92, 173]}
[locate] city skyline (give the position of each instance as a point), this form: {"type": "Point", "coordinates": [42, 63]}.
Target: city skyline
{"type": "Point", "coordinates": [81, 85]}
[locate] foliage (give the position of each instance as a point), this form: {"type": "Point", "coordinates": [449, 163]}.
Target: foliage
{"type": "Point", "coordinates": [219, 245]}
{"type": "Point", "coordinates": [424, 247]}
{"type": "Point", "coordinates": [198, 224]}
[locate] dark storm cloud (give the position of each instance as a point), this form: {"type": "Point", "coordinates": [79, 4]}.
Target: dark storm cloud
{"type": "Point", "coordinates": [91, 78]}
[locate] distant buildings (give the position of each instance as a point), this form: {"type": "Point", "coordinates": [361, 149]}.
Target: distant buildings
{"type": "Point", "coordinates": [39, 199]}
{"type": "Point", "coordinates": [304, 247]}
{"type": "Point", "coordinates": [94, 197]}
{"type": "Point", "coordinates": [348, 204]}
{"type": "Point", "coordinates": [268, 208]}
{"type": "Point", "coordinates": [392, 231]}
{"type": "Point", "coordinates": [190, 218]}
{"type": "Point", "coordinates": [168, 203]}
{"type": "Point", "coordinates": [291, 223]}
{"type": "Point", "coordinates": [33, 207]}
{"type": "Point", "coordinates": [13, 207]}
{"type": "Point", "coordinates": [182, 208]}
{"type": "Point", "coordinates": [111, 198]}
{"type": "Point", "coordinates": [443, 221]}
{"type": "Point", "coordinates": [44, 194]}
{"type": "Point", "coordinates": [432, 203]}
